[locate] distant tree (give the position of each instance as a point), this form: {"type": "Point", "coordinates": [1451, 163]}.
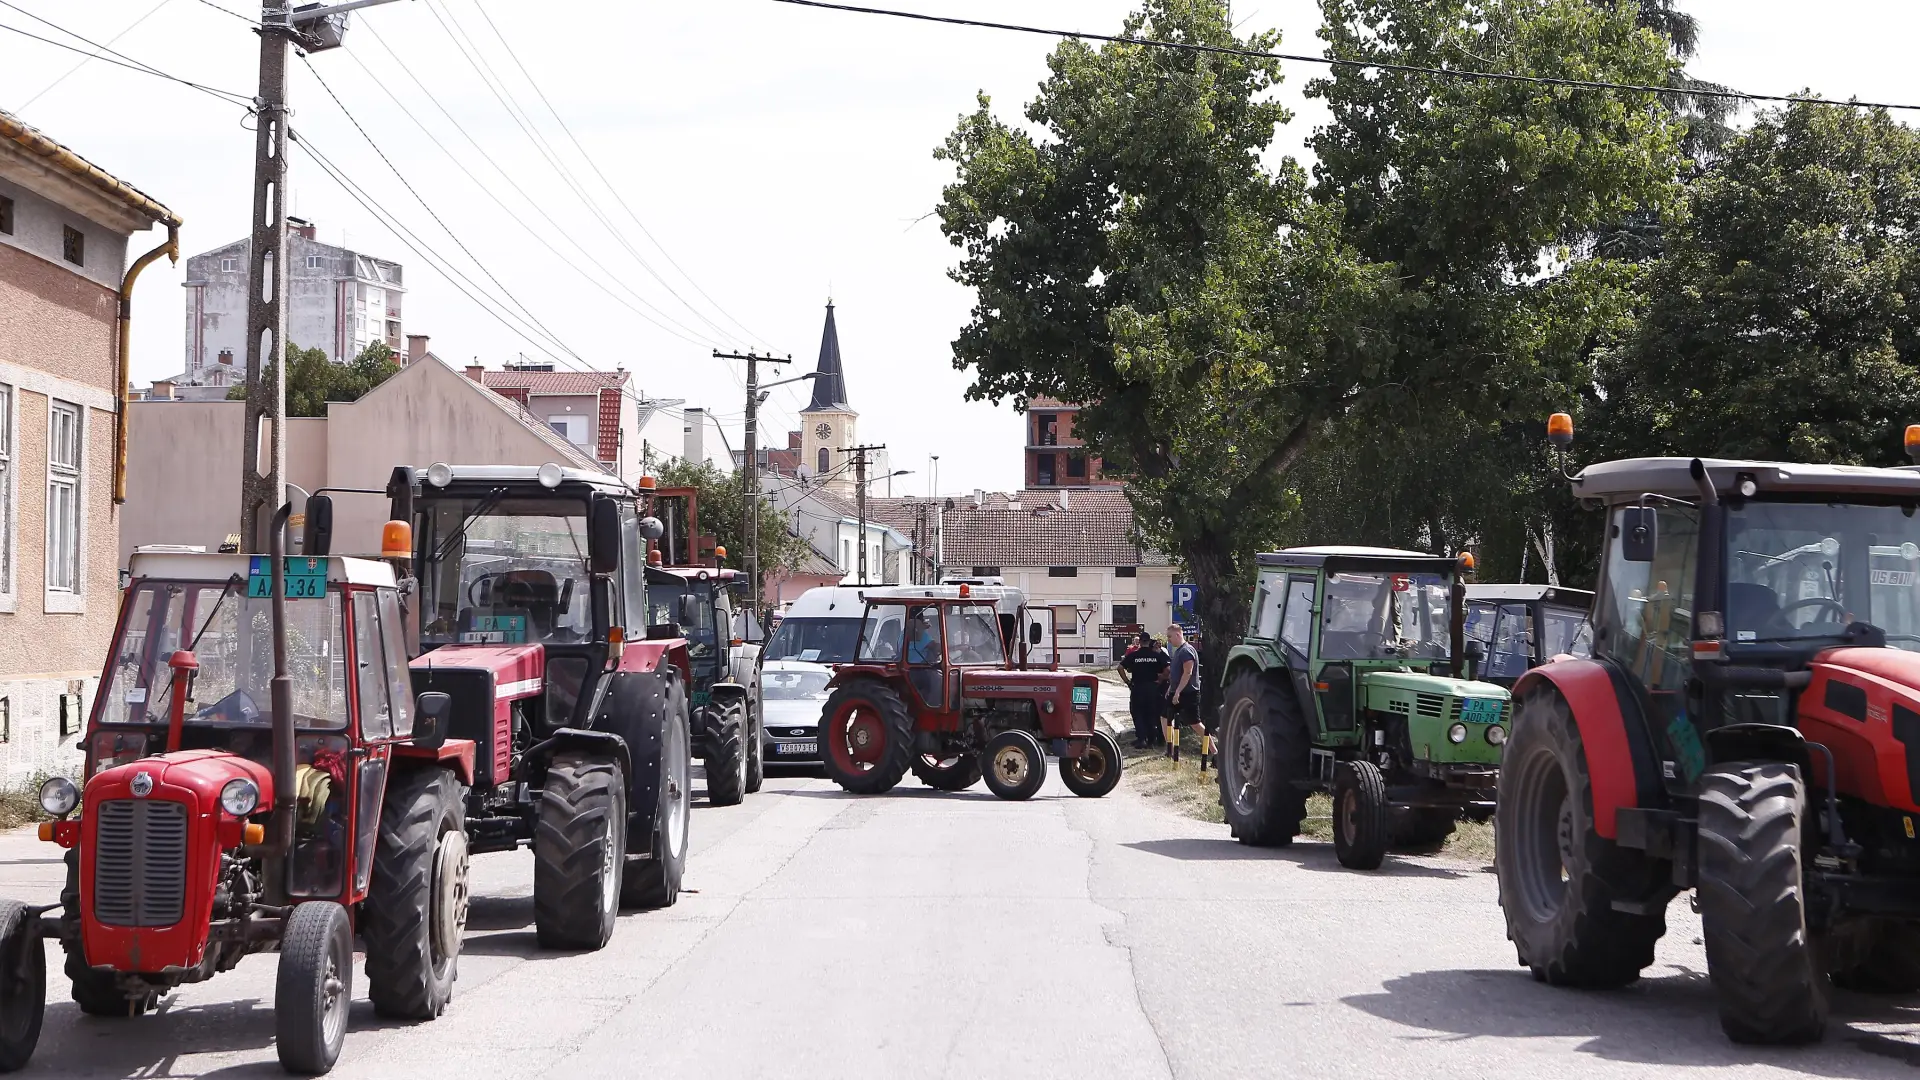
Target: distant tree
{"type": "Point", "coordinates": [313, 379]}
{"type": "Point", "coordinates": [722, 506]}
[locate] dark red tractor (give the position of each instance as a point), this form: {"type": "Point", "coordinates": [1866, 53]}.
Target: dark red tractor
{"type": "Point", "coordinates": [930, 690]}
{"type": "Point", "coordinates": [1747, 727]}
{"type": "Point", "coordinates": [259, 778]}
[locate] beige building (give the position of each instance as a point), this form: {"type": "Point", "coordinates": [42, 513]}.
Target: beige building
{"type": "Point", "coordinates": [184, 468]}
{"type": "Point", "coordinates": [64, 229]}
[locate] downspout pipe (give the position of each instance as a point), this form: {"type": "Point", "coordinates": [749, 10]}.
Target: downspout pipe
{"type": "Point", "coordinates": [171, 249]}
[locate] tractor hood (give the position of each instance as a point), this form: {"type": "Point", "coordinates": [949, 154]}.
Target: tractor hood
{"type": "Point", "coordinates": [194, 777]}
{"type": "Point", "coordinates": [1417, 682]}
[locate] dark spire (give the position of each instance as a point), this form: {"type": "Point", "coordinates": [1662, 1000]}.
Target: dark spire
{"type": "Point", "coordinates": [830, 389]}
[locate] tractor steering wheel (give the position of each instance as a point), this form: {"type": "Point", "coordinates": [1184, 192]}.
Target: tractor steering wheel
{"type": "Point", "coordinates": [1827, 605]}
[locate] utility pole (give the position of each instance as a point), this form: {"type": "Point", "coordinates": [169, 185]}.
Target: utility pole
{"type": "Point", "coordinates": [860, 497]}
{"type": "Point", "coordinates": [750, 467]}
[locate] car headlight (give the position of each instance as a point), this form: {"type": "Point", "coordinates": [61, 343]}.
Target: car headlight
{"type": "Point", "coordinates": [1457, 733]}
{"type": "Point", "coordinates": [240, 797]}
{"type": "Point", "coordinates": [1496, 735]}
{"type": "Point", "coordinates": [58, 796]}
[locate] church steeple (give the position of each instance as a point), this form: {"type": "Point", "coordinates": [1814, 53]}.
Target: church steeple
{"type": "Point", "coordinates": [830, 389]}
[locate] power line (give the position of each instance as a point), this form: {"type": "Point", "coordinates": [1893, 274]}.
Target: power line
{"type": "Point", "coordinates": [44, 91]}
{"type": "Point", "coordinates": [1329, 61]}
{"type": "Point", "coordinates": [227, 96]}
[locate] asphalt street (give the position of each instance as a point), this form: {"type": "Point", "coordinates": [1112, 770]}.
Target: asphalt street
{"type": "Point", "coordinates": [930, 935]}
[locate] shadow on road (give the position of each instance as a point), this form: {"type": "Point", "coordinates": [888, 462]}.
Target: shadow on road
{"type": "Point", "coordinates": [1308, 856]}
{"type": "Point", "coordinates": [1668, 1020]}
{"type": "Point", "coordinates": [152, 1045]}
{"type": "Point", "coordinates": [488, 913]}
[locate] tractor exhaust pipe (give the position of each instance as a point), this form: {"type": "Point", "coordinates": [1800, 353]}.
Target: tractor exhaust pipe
{"type": "Point", "coordinates": [285, 797]}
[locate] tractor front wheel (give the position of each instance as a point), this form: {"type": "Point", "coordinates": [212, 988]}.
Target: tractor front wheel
{"type": "Point", "coordinates": [947, 774]}
{"type": "Point", "coordinates": [653, 880]}
{"type": "Point", "coordinates": [578, 845]}
{"type": "Point", "coordinates": [1764, 963]}
{"type": "Point", "coordinates": [1359, 815]}
{"type": "Point", "coordinates": [314, 988]}
{"type": "Point", "coordinates": [1095, 772]}
{"type": "Point", "coordinates": [868, 737]}
{"type": "Point", "coordinates": [23, 985]}
{"type": "Point", "coordinates": [416, 908]}
{"type": "Point", "coordinates": [1263, 759]}
{"type": "Point", "coordinates": [728, 770]}
{"type": "Point", "coordinates": [1015, 766]}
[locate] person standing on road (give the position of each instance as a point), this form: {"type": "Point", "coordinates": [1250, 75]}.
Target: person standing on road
{"type": "Point", "coordinates": [1142, 669]}
{"type": "Point", "coordinates": [1182, 703]}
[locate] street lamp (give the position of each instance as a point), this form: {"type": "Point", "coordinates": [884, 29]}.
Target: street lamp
{"type": "Point", "coordinates": [764, 387]}
{"type": "Point", "coordinates": [891, 475]}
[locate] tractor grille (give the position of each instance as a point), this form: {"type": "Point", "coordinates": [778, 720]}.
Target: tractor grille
{"type": "Point", "coordinates": [1401, 706]}
{"type": "Point", "coordinates": [140, 862]}
{"type": "Point", "coordinates": [1434, 705]}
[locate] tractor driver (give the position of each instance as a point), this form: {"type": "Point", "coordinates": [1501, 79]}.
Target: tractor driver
{"type": "Point", "coordinates": [924, 654]}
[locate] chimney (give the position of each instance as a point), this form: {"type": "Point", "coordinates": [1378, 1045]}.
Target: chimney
{"type": "Point", "coordinates": [979, 497]}
{"type": "Point", "coordinates": [162, 390]}
{"type": "Point", "coordinates": [695, 431]}
{"type": "Point", "coordinates": [793, 440]}
{"type": "Point", "coordinates": [1065, 497]}
{"type": "Point", "coordinates": [226, 357]}
{"type": "Point", "coordinates": [302, 226]}
{"type": "Point", "coordinates": [474, 371]}
{"type": "Point", "coordinates": [416, 348]}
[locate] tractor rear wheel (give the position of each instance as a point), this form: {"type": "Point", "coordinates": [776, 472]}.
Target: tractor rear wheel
{"type": "Point", "coordinates": [727, 767]}
{"type": "Point", "coordinates": [1015, 765]}
{"type": "Point", "coordinates": [947, 774]}
{"type": "Point", "coordinates": [1886, 960]}
{"type": "Point", "coordinates": [1558, 876]}
{"type": "Point", "coordinates": [23, 985]}
{"type": "Point", "coordinates": [867, 737]}
{"type": "Point", "coordinates": [416, 908]}
{"type": "Point", "coordinates": [1263, 759]}
{"type": "Point", "coordinates": [653, 880]}
{"type": "Point", "coordinates": [96, 992]}
{"type": "Point", "coordinates": [314, 988]}
{"type": "Point", "coordinates": [1419, 828]}
{"type": "Point", "coordinates": [1359, 815]}
{"type": "Point", "coordinates": [579, 842]}
{"type": "Point", "coordinates": [1095, 772]}
{"type": "Point", "coordinates": [1764, 962]}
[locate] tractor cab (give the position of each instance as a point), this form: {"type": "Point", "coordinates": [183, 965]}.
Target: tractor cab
{"type": "Point", "coordinates": [697, 603]}
{"type": "Point", "coordinates": [1523, 626]}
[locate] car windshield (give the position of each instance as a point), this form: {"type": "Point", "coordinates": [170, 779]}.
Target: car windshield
{"type": "Point", "coordinates": [663, 606]}
{"type": "Point", "coordinates": [815, 641]}
{"type": "Point", "coordinates": [1800, 571]}
{"type": "Point", "coordinates": [508, 571]}
{"type": "Point", "coordinates": [231, 637]}
{"type": "Point", "coordinates": [792, 685]}
{"type": "Point", "coordinates": [1384, 616]}
{"type": "Point", "coordinates": [973, 636]}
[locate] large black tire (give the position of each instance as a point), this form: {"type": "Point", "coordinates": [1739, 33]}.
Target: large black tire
{"type": "Point", "coordinates": [756, 747]}
{"type": "Point", "coordinates": [1014, 766]}
{"type": "Point", "coordinates": [1359, 815]}
{"type": "Point", "coordinates": [652, 880]}
{"type": "Point", "coordinates": [579, 842]}
{"type": "Point", "coordinates": [1765, 964]}
{"type": "Point", "coordinates": [1885, 959]}
{"type": "Point", "coordinates": [94, 991]}
{"type": "Point", "coordinates": [866, 737]}
{"type": "Point", "coordinates": [948, 774]}
{"type": "Point", "coordinates": [727, 766]}
{"type": "Point", "coordinates": [416, 908]}
{"type": "Point", "coordinates": [1419, 828]}
{"type": "Point", "coordinates": [1095, 772]}
{"type": "Point", "coordinates": [1264, 752]}
{"type": "Point", "coordinates": [23, 986]}
{"type": "Point", "coordinates": [1558, 877]}
{"type": "Point", "coordinates": [314, 988]}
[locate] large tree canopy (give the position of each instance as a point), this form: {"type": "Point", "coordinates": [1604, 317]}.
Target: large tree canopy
{"type": "Point", "coordinates": [313, 380]}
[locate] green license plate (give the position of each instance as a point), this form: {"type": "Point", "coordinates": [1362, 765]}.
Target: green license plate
{"type": "Point", "coordinates": [496, 630]}
{"type": "Point", "coordinates": [1481, 710]}
{"type": "Point", "coordinates": [1083, 695]}
{"type": "Point", "coordinates": [306, 578]}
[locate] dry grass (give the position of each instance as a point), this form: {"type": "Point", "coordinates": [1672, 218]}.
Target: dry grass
{"type": "Point", "coordinates": [21, 807]}
{"type": "Point", "coordinates": [1182, 786]}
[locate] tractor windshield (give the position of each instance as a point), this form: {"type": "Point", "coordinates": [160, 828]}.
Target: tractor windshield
{"type": "Point", "coordinates": [1384, 616]}
{"type": "Point", "coordinates": [1798, 571]}
{"type": "Point", "coordinates": [506, 571]}
{"type": "Point", "coordinates": [704, 647]}
{"type": "Point", "coordinates": [973, 636]}
{"type": "Point", "coordinates": [231, 637]}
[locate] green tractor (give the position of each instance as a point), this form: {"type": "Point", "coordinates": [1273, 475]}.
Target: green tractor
{"type": "Point", "coordinates": [1347, 683]}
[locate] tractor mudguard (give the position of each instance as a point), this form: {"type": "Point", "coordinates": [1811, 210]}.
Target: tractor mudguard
{"type": "Point", "coordinates": [541, 754]}
{"type": "Point", "coordinates": [1621, 762]}
{"type": "Point", "coordinates": [455, 754]}
{"type": "Point", "coordinates": [633, 711]}
{"type": "Point", "coordinates": [1764, 742]}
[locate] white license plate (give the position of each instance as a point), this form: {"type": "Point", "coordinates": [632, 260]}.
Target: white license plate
{"type": "Point", "coordinates": [795, 748]}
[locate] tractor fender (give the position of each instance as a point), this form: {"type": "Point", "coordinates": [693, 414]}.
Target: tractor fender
{"type": "Point", "coordinates": [1622, 766]}
{"type": "Point", "coordinates": [634, 711]}
{"type": "Point", "coordinates": [541, 754]}
{"type": "Point", "coordinates": [1764, 742]}
{"type": "Point", "coordinates": [455, 754]}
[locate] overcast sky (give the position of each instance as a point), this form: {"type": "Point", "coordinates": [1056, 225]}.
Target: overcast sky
{"type": "Point", "coordinates": [777, 154]}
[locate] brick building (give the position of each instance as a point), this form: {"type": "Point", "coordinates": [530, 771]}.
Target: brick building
{"type": "Point", "coordinates": [1054, 454]}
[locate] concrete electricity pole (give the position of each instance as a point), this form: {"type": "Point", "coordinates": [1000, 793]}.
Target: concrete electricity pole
{"type": "Point", "coordinates": [860, 497]}
{"type": "Point", "coordinates": [750, 468]}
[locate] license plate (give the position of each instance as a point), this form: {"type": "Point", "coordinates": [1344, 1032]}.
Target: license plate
{"type": "Point", "coordinates": [786, 748]}
{"type": "Point", "coordinates": [1481, 710]}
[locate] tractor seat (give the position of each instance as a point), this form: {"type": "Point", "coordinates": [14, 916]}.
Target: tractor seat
{"type": "Point", "coordinates": [1750, 605]}
{"type": "Point", "coordinates": [535, 590]}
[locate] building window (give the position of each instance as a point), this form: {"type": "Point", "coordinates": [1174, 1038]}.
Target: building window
{"type": "Point", "coordinates": [316, 262]}
{"type": "Point", "coordinates": [822, 469]}
{"type": "Point", "coordinates": [1063, 571]}
{"type": "Point", "coordinates": [228, 266]}
{"type": "Point", "coordinates": [63, 497]}
{"type": "Point", "coordinates": [1126, 614]}
{"type": "Point", "coordinates": [572, 428]}
{"type": "Point", "coordinates": [6, 491]}
{"type": "Point", "coordinates": [1043, 470]}
{"type": "Point", "coordinates": [73, 245]}
{"type": "Point", "coordinates": [71, 720]}
{"type": "Point", "coordinates": [1046, 429]}
{"type": "Point", "coordinates": [6, 215]}
{"type": "Point", "coordinates": [986, 571]}
{"type": "Point", "coordinates": [1076, 467]}
{"type": "Point", "coordinates": [1125, 571]}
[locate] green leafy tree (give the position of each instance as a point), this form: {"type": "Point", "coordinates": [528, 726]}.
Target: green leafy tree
{"type": "Point", "coordinates": [722, 505]}
{"type": "Point", "coordinates": [313, 379]}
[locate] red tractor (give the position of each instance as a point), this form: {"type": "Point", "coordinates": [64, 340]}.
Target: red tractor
{"type": "Point", "coordinates": [1747, 727]}
{"type": "Point", "coordinates": [259, 778]}
{"type": "Point", "coordinates": [931, 690]}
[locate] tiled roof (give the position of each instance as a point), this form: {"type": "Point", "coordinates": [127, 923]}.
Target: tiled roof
{"type": "Point", "coordinates": [1093, 536]}
{"type": "Point", "coordinates": [569, 453]}
{"type": "Point", "coordinates": [556, 382]}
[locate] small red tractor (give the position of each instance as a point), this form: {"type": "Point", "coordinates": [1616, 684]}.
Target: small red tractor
{"type": "Point", "coordinates": [1748, 727]}
{"type": "Point", "coordinates": [930, 690]}
{"type": "Point", "coordinates": [208, 827]}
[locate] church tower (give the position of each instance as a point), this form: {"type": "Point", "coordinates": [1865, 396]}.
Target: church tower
{"type": "Point", "coordinates": [827, 423]}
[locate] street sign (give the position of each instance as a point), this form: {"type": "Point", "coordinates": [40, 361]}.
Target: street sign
{"type": "Point", "coordinates": [1185, 599]}
{"type": "Point", "coordinates": [1120, 630]}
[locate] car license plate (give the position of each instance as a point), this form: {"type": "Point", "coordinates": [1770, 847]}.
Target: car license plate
{"type": "Point", "coordinates": [1481, 710]}
{"type": "Point", "coordinates": [790, 748]}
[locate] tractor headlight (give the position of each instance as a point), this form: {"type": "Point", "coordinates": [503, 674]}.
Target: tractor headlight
{"type": "Point", "coordinates": [1496, 735]}
{"type": "Point", "coordinates": [1457, 733]}
{"type": "Point", "coordinates": [58, 796]}
{"type": "Point", "coordinates": [240, 797]}
{"type": "Point", "coordinates": [439, 474]}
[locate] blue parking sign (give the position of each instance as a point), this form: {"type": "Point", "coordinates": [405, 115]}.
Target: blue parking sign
{"type": "Point", "coordinates": [1185, 598]}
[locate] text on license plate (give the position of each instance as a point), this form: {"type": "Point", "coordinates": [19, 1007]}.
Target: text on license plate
{"type": "Point", "coordinates": [1481, 710]}
{"type": "Point", "coordinates": [794, 747]}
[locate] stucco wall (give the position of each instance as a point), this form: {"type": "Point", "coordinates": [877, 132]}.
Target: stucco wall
{"type": "Point", "coordinates": [183, 473]}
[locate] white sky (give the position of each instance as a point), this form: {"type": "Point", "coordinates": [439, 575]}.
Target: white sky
{"type": "Point", "coordinates": [779, 154]}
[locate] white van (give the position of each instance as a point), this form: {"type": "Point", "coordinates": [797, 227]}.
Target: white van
{"type": "Point", "coordinates": [822, 626]}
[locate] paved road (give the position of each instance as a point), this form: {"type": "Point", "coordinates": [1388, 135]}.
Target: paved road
{"type": "Point", "coordinates": [926, 935]}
